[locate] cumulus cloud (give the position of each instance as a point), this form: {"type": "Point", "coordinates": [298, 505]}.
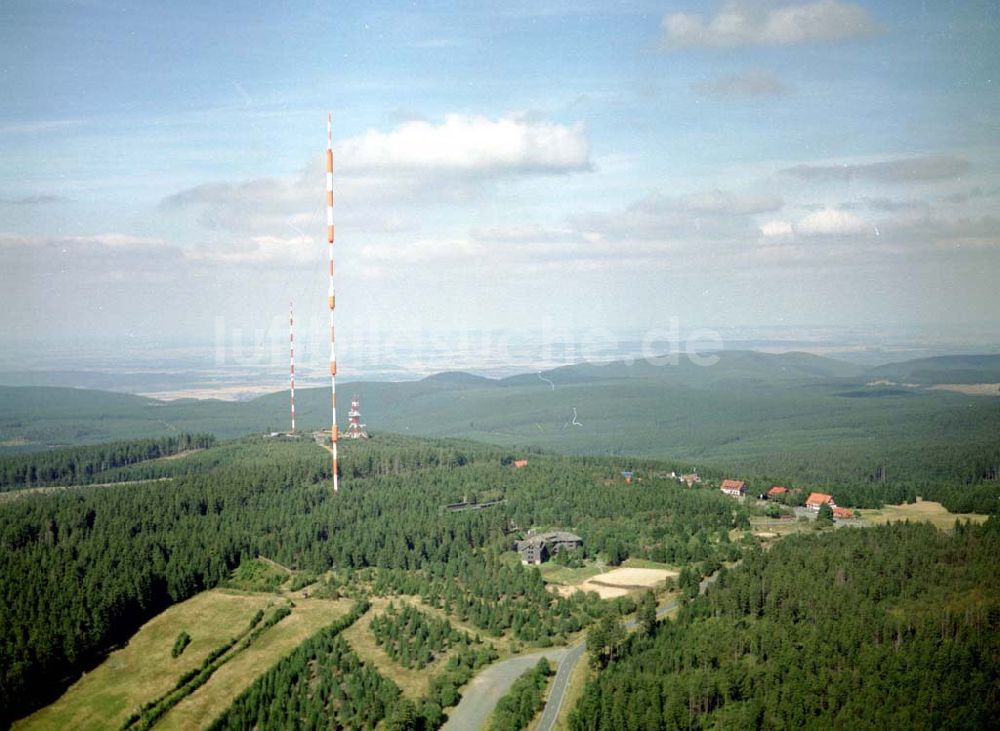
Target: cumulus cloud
{"type": "Point", "coordinates": [473, 145]}
{"type": "Point", "coordinates": [415, 163]}
{"type": "Point", "coordinates": [740, 23]}
{"type": "Point", "coordinates": [777, 230]}
{"type": "Point", "coordinates": [831, 222]}
{"type": "Point", "coordinates": [903, 170]}
{"type": "Point", "coordinates": [748, 84]}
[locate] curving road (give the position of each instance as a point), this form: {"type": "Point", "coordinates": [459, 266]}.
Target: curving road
{"type": "Point", "coordinates": [481, 695]}
{"type": "Point", "coordinates": [551, 711]}
{"type": "Point", "coordinates": [559, 684]}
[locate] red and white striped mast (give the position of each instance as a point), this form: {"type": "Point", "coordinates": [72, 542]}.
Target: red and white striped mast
{"type": "Point", "coordinates": [291, 357]}
{"type": "Point", "coordinates": [331, 298]}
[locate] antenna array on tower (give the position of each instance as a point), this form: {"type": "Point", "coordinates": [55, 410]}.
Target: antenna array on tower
{"type": "Point", "coordinates": [355, 429]}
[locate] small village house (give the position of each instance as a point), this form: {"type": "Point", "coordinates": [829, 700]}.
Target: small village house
{"type": "Point", "coordinates": [735, 488]}
{"type": "Point", "coordinates": [818, 499]}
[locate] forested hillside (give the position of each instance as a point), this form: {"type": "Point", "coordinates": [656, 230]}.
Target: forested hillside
{"type": "Point", "coordinates": [792, 419]}
{"type": "Point", "coordinates": [92, 463]}
{"type": "Point", "coordinates": [890, 627]}
{"type": "Point", "coordinates": [92, 564]}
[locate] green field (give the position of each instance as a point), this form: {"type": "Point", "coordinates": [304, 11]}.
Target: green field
{"type": "Point", "coordinates": [144, 669]}
{"type": "Point", "coordinates": [553, 573]}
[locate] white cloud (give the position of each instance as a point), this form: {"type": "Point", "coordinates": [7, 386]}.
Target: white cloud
{"type": "Point", "coordinates": [739, 23]}
{"type": "Point", "coordinates": [777, 230]}
{"type": "Point", "coordinates": [472, 145]}
{"type": "Point", "coordinates": [378, 175]}
{"type": "Point", "coordinates": [831, 222]}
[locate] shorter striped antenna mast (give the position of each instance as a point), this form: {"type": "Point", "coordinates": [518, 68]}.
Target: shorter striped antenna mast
{"type": "Point", "coordinates": [332, 300]}
{"type": "Point", "coordinates": [291, 356]}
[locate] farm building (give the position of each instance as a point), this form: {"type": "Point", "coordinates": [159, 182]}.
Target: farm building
{"type": "Point", "coordinates": [818, 499]}
{"type": "Point", "coordinates": [535, 549]}
{"type": "Point", "coordinates": [843, 513]}
{"type": "Point", "coordinates": [519, 463]}
{"type": "Point", "coordinates": [736, 488]}
{"type": "Point", "coordinates": [690, 479]}
{"type": "Point", "coordinates": [776, 491]}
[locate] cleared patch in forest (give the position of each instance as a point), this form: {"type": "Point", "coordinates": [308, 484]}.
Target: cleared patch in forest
{"type": "Point", "coordinates": [553, 573]}
{"type": "Point", "coordinates": [144, 669]}
{"type": "Point", "coordinates": [922, 510]}
{"type": "Point", "coordinates": [620, 581]}
{"type": "Point", "coordinates": [208, 702]}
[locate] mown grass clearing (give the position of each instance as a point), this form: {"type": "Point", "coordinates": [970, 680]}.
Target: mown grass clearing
{"type": "Point", "coordinates": [644, 563]}
{"type": "Point", "coordinates": [920, 511]}
{"type": "Point", "coordinates": [772, 528]}
{"type": "Point", "coordinates": [553, 573]}
{"type": "Point", "coordinates": [144, 669]}
{"type": "Point", "coordinates": [208, 702]}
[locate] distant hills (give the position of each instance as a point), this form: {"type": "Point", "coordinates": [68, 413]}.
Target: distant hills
{"type": "Point", "coordinates": [747, 409]}
{"type": "Point", "coordinates": [943, 369]}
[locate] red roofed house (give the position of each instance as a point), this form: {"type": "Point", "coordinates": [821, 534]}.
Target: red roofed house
{"type": "Point", "coordinates": [519, 463]}
{"type": "Point", "coordinates": [817, 499]}
{"type": "Point", "coordinates": [842, 513]}
{"type": "Point", "coordinates": [775, 491]}
{"type": "Point", "coordinates": [736, 488]}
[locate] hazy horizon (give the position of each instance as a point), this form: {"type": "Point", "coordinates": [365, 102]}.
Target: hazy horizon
{"type": "Point", "coordinates": [239, 365]}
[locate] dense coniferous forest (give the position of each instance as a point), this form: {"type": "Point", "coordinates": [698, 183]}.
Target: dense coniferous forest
{"type": "Point", "coordinates": [92, 564]}
{"type": "Point", "coordinates": [890, 627]}
{"type": "Point", "coordinates": [94, 463]}
{"type": "Point", "coordinates": [789, 418]}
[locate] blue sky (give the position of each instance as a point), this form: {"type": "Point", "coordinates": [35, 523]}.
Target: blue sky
{"type": "Point", "coordinates": [729, 163]}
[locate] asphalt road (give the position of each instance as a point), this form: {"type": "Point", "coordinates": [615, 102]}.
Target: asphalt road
{"type": "Point", "coordinates": [482, 694]}
{"type": "Point", "coordinates": [559, 684]}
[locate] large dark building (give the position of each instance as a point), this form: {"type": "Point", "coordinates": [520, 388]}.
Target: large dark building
{"type": "Point", "coordinates": [536, 548]}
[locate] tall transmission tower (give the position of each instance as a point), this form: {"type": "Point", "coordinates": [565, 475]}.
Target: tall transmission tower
{"type": "Point", "coordinates": [331, 298]}
{"type": "Point", "coordinates": [291, 357]}
{"type": "Point", "coordinates": [355, 429]}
